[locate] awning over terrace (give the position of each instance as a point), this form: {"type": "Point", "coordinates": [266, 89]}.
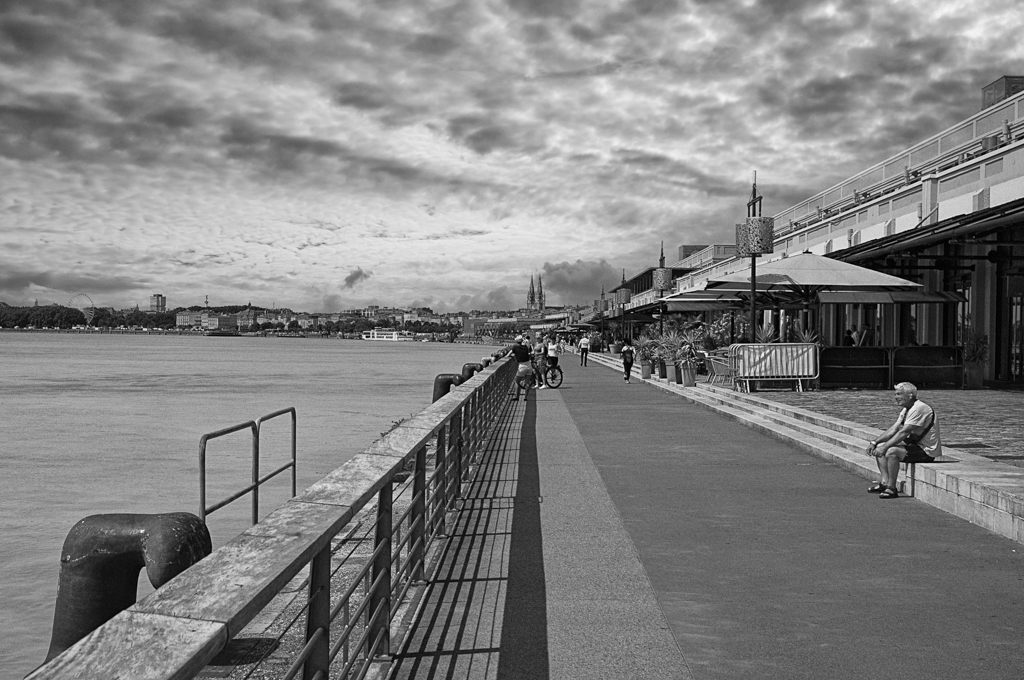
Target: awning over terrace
{"type": "Point", "coordinates": [874, 297]}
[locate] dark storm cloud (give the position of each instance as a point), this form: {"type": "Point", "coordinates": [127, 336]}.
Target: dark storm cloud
{"type": "Point", "coordinates": [480, 133]}
{"type": "Point", "coordinates": [366, 96]}
{"type": "Point", "coordinates": [432, 45]}
{"type": "Point", "coordinates": [355, 277]}
{"type": "Point", "coordinates": [496, 299]}
{"type": "Point", "coordinates": [545, 8]}
{"type": "Point", "coordinates": [579, 282]}
{"type": "Point", "coordinates": [14, 281]}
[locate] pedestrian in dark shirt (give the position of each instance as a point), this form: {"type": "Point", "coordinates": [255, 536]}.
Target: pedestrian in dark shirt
{"type": "Point", "coordinates": [626, 353]}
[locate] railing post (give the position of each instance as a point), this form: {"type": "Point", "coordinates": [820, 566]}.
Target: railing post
{"type": "Point", "coordinates": [418, 517]}
{"type": "Point", "coordinates": [441, 475]}
{"type": "Point", "coordinates": [318, 616]}
{"type": "Point", "coordinates": [295, 460]}
{"type": "Point", "coordinates": [255, 475]}
{"type": "Point", "coordinates": [202, 479]}
{"type": "Point", "coordinates": [380, 597]}
{"type": "Point", "coordinates": [456, 435]}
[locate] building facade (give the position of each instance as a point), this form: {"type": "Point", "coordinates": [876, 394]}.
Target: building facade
{"type": "Point", "coordinates": [948, 213]}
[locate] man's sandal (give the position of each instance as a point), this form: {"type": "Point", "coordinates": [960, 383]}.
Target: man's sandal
{"type": "Point", "coordinates": [877, 487]}
{"type": "Point", "coordinates": [890, 492]}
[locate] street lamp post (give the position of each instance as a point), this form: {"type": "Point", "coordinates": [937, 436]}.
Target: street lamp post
{"type": "Point", "coordinates": [754, 237]}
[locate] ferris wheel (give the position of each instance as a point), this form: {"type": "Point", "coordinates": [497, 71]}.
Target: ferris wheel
{"type": "Point", "coordinates": [84, 302]}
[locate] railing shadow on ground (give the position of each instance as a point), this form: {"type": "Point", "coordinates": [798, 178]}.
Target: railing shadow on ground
{"type": "Point", "coordinates": [483, 613]}
{"type": "Point", "coordinates": [316, 587]}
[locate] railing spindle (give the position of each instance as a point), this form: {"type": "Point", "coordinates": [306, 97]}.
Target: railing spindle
{"type": "Point", "coordinates": [380, 596]}
{"type": "Point", "coordinates": [318, 616]}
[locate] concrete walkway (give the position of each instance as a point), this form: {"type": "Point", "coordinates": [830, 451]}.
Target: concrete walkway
{"type": "Point", "coordinates": [617, 531]}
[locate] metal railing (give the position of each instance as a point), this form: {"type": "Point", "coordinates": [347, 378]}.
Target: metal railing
{"type": "Point", "coordinates": [363, 534]}
{"type": "Point", "coordinates": [254, 488]}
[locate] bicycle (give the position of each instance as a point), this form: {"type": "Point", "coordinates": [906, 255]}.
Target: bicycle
{"type": "Point", "coordinates": [553, 377]}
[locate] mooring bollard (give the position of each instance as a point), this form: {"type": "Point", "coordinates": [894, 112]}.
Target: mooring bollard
{"type": "Point", "coordinates": [100, 563]}
{"type": "Point", "coordinates": [468, 370]}
{"type": "Point", "coordinates": [485, 361]}
{"type": "Point", "coordinates": [443, 383]}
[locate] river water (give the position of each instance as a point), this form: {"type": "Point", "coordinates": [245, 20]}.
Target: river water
{"type": "Point", "coordinates": [111, 423]}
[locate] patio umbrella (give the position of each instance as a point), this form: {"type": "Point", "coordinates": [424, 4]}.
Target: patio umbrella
{"type": "Point", "coordinates": [807, 274]}
{"type": "Point", "coordinates": [800, 278]}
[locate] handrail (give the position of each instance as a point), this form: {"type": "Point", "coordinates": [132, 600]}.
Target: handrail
{"type": "Point", "coordinates": [203, 509]}
{"type": "Point", "coordinates": [178, 629]}
{"type": "Point", "coordinates": [254, 488]}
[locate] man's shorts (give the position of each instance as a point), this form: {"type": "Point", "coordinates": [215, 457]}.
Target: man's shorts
{"type": "Point", "coordinates": [915, 454]}
{"type": "Point", "coordinates": [524, 370]}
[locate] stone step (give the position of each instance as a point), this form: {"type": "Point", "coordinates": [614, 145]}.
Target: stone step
{"type": "Point", "coordinates": [856, 443]}
{"type": "Point", "coordinates": [982, 491]}
{"type": "Point", "coordinates": [821, 420]}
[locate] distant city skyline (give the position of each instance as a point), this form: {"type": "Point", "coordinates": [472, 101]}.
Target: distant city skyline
{"type": "Point", "coordinates": [332, 155]}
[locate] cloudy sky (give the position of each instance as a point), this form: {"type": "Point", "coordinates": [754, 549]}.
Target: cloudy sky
{"type": "Point", "coordinates": [328, 154]}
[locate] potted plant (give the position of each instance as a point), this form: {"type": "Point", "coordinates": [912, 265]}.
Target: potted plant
{"type": "Point", "coordinates": [644, 348]}
{"type": "Point", "coordinates": [687, 357]}
{"type": "Point", "coordinates": [975, 358]}
{"type": "Point", "coordinates": [672, 347]}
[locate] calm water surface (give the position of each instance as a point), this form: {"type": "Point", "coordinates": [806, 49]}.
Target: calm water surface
{"type": "Point", "coordinates": [111, 423]}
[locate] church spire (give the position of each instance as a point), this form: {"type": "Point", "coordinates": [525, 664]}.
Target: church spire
{"type": "Point", "coordinates": [540, 293]}
{"type": "Point", "coordinates": [531, 297]}
{"type": "Point", "coordinates": [661, 260]}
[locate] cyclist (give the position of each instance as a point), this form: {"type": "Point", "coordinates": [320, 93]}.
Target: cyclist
{"type": "Point", "coordinates": [525, 372]}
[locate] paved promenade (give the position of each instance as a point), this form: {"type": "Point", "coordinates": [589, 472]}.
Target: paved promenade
{"type": "Point", "coordinates": [617, 531]}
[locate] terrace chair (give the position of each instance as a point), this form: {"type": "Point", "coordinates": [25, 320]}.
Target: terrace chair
{"type": "Point", "coordinates": [719, 369]}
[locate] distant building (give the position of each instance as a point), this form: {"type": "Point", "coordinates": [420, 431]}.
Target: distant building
{"type": "Point", "coordinates": [193, 319]}
{"type": "Point", "coordinates": [220, 321]}
{"type": "Point", "coordinates": [157, 303]}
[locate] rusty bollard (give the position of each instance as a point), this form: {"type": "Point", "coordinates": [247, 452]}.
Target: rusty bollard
{"type": "Point", "coordinates": [443, 383]}
{"type": "Point", "coordinates": [100, 563]}
{"type": "Point", "coordinates": [469, 370]}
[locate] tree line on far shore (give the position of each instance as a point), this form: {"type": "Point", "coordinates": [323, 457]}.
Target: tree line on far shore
{"type": "Point", "coordinates": [57, 316]}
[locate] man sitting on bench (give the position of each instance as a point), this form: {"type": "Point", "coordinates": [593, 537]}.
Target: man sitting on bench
{"type": "Point", "coordinates": [913, 438]}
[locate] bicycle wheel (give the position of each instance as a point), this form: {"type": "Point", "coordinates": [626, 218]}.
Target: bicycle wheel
{"type": "Point", "coordinates": [553, 377]}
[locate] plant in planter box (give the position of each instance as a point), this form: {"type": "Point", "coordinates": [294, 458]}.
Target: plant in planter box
{"type": "Point", "coordinates": [975, 358]}
{"type": "Point", "coordinates": [672, 347]}
{"type": "Point", "coordinates": [766, 334]}
{"type": "Point", "coordinates": [687, 357]}
{"type": "Point", "coordinates": [644, 348]}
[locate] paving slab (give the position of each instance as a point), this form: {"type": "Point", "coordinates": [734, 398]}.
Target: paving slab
{"type": "Point", "coordinates": [770, 563]}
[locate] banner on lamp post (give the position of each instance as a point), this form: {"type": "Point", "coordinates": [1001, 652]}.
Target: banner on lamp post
{"type": "Point", "coordinates": [756, 236]}
{"type": "Point", "coordinates": [662, 278]}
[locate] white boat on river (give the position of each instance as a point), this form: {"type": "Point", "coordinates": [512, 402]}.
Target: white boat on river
{"type": "Point", "coordinates": [389, 334]}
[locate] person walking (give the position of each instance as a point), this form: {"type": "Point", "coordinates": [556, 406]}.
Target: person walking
{"type": "Point", "coordinates": [584, 349]}
{"type": "Point", "coordinates": [627, 353]}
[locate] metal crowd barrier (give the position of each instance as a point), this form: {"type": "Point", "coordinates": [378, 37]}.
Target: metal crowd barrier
{"type": "Point", "coordinates": [775, 361]}
{"type": "Point", "coordinates": [363, 536]}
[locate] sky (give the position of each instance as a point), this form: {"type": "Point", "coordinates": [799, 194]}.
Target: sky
{"type": "Point", "coordinates": [326, 155]}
